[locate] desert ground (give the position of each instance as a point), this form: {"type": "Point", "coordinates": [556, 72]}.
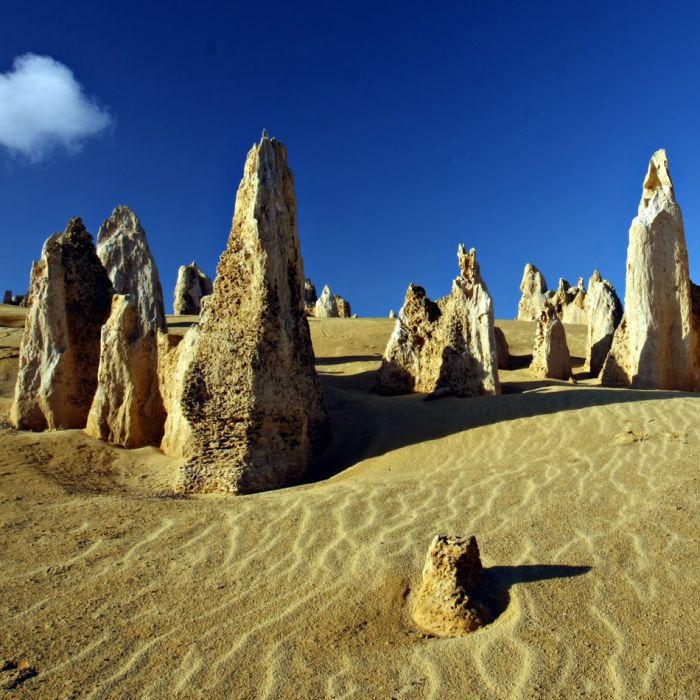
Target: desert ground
{"type": "Point", "coordinates": [583, 500]}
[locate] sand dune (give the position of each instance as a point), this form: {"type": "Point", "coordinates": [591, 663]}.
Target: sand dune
{"type": "Point", "coordinates": [583, 500]}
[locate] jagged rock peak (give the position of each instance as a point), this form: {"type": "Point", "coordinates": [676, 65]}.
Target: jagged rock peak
{"type": "Point", "coordinates": [258, 429]}
{"type": "Point", "coordinates": [446, 346]}
{"type": "Point", "coordinates": [124, 251]}
{"type": "Point", "coordinates": [656, 346]}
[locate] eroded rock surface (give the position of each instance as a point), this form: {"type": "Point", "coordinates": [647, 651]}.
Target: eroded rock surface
{"type": "Point", "coordinates": [250, 391]}
{"type": "Point", "coordinates": [656, 345]}
{"type": "Point", "coordinates": [125, 254]}
{"type": "Point", "coordinates": [192, 285]}
{"type": "Point", "coordinates": [445, 346]}
{"type": "Point", "coordinates": [570, 302]}
{"type": "Point", "coordinates": [343, 306]}
{"type": "Point", "coordinates": [70, 300]}
{"type": "Point", "coordinates": [604, 315]}
{"type": "Point", "coordinates": [127, 409]}
{"type": "Point", "coordinates": [550, 355]}
{"type": "Point", "coordinates": [449, 600]}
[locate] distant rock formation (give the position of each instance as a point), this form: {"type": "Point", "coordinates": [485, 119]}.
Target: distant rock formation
{"type": "Point", "coordinates": [449, 602]}
{"type": "Point", "coordinates": [326, 304]}
{"type": "Point", "coordinates": [192, 285]}
{"type": "Point", "coordinates": [310, 297]}
{"type": "Point", "coordinates": [124, 252]}
{"type": "Point", "coordinates": [59, 355]}
{"type": "Point", "coordinates": [444, 347]}
{"type": "Point", "coordinates": [656, 344]}
{"type": "Point", "coordinates": [127, 409]}
{"type": "Point", "coordinates": [392, 313]}
{"type": "Point", "coordinates": [604, 315]}
{"type": "Point", "coordinates": [533, 287]}
{"type": "Point", "coordinates": [502, 349]}
{"type": "Point", "coordinates": [569, 302]}
{"type": "Point", "coordinates": [343, 306]}
{"type": "Point", "coordinates": [550, 356]}
{"type": "Point", "coordinates": [13, 299]}
{"type": "Point", "coordinates": [250, 393]}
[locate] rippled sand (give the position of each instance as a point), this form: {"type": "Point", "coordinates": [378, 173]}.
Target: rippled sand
{"type": "Point", "coordinates": [583, 499]}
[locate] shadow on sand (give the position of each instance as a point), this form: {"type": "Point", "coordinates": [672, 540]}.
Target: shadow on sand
{"type": "Point", "coordinates": [499, 579]}
{"type": "Point", "coordinates": [367, 425]}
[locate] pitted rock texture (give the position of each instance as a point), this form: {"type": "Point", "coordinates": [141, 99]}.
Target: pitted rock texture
{"type": "Point", "coordinates": [123, 249]}
{"type": "Point", "coordinates": [550, 356]}
{"type": "Point", "coordinates": [191, 287]}
{"type": "Point", "coordinates": [250, 394]}
{"type": "Point", "coordinates": [127, 409]}
{"type": "Point", "coordinates": [449, 600]}
{"type": "Point", "coordinates": [656, 344]}
{"type": "Point", "coordinates": [533, 287]}
{"type": "Point", "coordinates": [70, 298]}
{"type": "Point", "coordinates": [604, 315]}
{"type": "Point", "coordinates": [447, 346]}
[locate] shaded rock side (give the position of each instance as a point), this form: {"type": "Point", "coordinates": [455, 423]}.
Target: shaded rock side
{"type": "Point", "coordinates": [502, 349]}
{"type": "Point", "coordinates": [310, 297]}
{"type": "Point", "coordinates": [251, 395]}
{"type": "Point", "coordinates": [604, 310]}
{"type": "Point", "coordinates": [448, 602]}
{"type": "Point", "coordinates": [125, 254]}
{"type": "Point", "coordinates": [127, 409]}
{"type": "Point", "coordinates": [533, 287]}
{"type": "Point", "coordinates": [445, 346]}
{"type": "Point", "coordinates": [191, 287]}
{"type": "Point", "coordinates": [70, 298]}
{"type": "Point", "coordinates": [550, 355]}
{"type": "Point", "coordinates": [656, 346]}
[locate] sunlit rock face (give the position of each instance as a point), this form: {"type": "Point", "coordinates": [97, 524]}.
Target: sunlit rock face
{"type": "Point", "coordinates": [69, 299]}
{"type": "Point", "coordinates": [445, 346]}
{"type": "Point", "coordinates": [191, 287]}
{"type": "Point", "coordinates": [532, 287]}
{"type": "Point", "coordinates": [250, 394]}
{"type": "Point", "coordinates": [656, 344]}
{"type": "Point", "coordinates": [550, 355]}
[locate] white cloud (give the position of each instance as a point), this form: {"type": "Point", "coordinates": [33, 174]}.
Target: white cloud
{"type": "Point", "coordinates": [43, 108]}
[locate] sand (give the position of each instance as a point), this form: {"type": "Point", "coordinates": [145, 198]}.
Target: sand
{"type": "Point", "coordinates": [583, 501]}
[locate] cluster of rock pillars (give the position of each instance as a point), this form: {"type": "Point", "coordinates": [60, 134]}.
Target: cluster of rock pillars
{"type": "Point", "coordinates": [238, 396]}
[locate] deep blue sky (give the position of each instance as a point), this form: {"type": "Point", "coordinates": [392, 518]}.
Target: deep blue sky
{"type": "Point", "coordinates": [522, 129]}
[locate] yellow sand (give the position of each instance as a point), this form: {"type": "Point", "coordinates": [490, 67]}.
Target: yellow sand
{"type": "Point", "coordinates": [583, 501]}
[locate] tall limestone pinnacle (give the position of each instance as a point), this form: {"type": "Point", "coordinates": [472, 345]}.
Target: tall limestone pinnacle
{"type": "Point", "coordinates": [70, 296]}
{"type": "Point", "coordinates": [127, 409]}
{"type": "Point", "coordinates": [656, 345]}
{"type": "Point", "coordinates": [250, 395]}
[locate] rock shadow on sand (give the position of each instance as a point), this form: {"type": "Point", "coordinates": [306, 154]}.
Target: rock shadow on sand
{"type": "Point", "coordinates": [367, 425]}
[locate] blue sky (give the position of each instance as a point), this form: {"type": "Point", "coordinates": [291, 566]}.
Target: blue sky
{"type": "Point", "coordinates": [521, 129]}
